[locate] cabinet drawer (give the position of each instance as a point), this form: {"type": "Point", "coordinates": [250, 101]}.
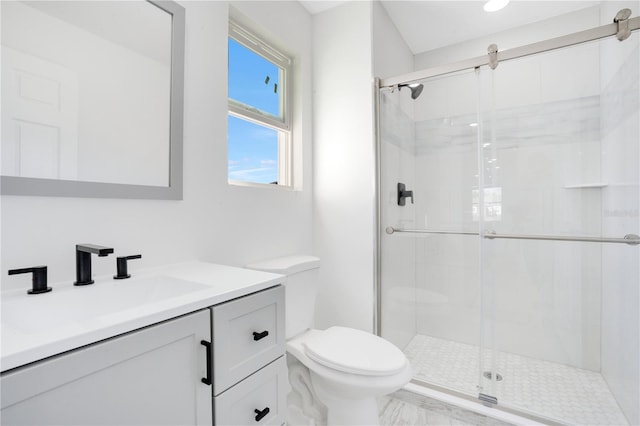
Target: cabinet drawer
{"type": "Point", "coordinates": [260, 399]}
{"type": "Point", "coordinates": [248, 333]}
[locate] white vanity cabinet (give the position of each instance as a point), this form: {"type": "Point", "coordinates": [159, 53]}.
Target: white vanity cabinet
{"type": "Point", "coordinates": [250, 372]}
{"type": "Point", "coordinates": [150, 376]}
{"type": "Point", "coordinates": [221, 365]}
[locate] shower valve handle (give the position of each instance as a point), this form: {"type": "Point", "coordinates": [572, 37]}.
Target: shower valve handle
{"type": "Point", "coordinates": [403, 194]}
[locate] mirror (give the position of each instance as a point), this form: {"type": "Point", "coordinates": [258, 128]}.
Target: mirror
{"type": "Point", "coordinates": [92, 98]}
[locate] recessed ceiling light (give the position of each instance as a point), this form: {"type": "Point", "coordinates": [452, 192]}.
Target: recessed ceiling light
{"type": "Point", "coordinates": [495, 5]}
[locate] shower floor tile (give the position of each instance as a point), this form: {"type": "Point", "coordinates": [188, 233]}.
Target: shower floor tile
{"type": "Point", "coordinates": [559, 392]}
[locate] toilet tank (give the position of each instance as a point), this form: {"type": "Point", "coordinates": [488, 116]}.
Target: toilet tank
{"type": "Point", "coordinates": [301, 287]}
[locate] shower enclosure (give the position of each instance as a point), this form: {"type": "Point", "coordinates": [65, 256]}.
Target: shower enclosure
{"type": "Point", "coordinates": [511, 273]}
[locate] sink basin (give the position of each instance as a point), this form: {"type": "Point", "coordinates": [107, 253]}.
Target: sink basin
{"type": "Point", "coordinates": [75, 306]}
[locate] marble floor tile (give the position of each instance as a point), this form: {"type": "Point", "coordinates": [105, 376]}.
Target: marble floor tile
{"type": "Point", "coordinates": [404, 408]}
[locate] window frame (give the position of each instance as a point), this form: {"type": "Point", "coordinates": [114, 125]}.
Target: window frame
{"type": "Point", "coordinates": [282, 125]}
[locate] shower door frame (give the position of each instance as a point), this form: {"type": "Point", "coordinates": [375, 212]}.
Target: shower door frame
{"type": "Point", "coordinates": [493, 59]}
{"type": "Point", "coordinates": [620, 29]}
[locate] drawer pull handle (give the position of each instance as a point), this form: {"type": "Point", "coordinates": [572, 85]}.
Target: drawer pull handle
{"type": "Point", "coordinates": [260, 414]}
{"type": "Point", "coordinates": [258, 336]}
{"type": "Point", "coordinates": [207, 345]}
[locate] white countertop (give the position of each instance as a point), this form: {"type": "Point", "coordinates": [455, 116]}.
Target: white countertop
{"type": "Point", "coordinates": [34, 326]}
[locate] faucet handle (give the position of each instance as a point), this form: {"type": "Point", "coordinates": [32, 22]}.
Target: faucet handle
{"type": "Point", "coordinates": [121, 264]}
{"type": "Point", "coordinates": [39, 279]}
{"type": "Point", "coordinates": [403, 193]}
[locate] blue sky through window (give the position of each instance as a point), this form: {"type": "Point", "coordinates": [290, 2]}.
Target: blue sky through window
{"type": "Point", "coordinates": [253, 80]}
{"type": "Point", "coordinates": [253, 152]}
{"type": "Point", "coordinates": [253, 149]}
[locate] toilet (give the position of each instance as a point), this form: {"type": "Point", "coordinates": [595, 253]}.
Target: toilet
{"type": "Point", "coordinates": [335, 374]}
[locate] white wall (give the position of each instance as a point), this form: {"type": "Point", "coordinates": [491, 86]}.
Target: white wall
{"type": "Point", "coordinates": [344, 164]}
{"type": "Point", "coordinates": [391, 55]}
{"type": "Point", "coordinates": [215, 221]}
{"type": "Point", "coordinates": [352, 43]}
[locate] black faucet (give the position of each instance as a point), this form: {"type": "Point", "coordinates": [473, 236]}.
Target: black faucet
{"type": "Point", "coordinates": [83, 261]}
{"type": "Point", "coordinates": [39, 279]}
{"type": "Point", "coordinates": [123, 270]}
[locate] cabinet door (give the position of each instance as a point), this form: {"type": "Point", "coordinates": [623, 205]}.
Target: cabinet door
{"type": "Point", "coordinates": [147, 377]}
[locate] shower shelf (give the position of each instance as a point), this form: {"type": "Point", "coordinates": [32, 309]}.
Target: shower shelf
{"type": "Point", "coordinates": [587, 185]}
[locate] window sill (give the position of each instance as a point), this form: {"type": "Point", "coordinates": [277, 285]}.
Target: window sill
{"type": "Point", "coordinates": [269, 186]}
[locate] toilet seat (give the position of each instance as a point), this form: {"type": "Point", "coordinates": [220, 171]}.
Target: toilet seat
{"type": "Point", "coordinates": [354, 351]}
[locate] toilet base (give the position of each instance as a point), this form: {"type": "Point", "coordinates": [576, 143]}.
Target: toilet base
{"type": "Point", "coordinates": [303, 404]}
{"type": "Point", "coordinates": [348, 412]}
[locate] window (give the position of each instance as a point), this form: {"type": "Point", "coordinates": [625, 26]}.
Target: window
{"type": "Point", "coordinates": [259, 123]}
{"type": "Point", "coordinates": [492, 204]}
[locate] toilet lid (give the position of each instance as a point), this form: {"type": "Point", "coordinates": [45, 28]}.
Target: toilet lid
{"type": "Point", "coordinates": [354, 351]}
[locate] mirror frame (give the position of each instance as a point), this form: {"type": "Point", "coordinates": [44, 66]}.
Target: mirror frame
{"type": "Point", "coordinates": [15, 185]}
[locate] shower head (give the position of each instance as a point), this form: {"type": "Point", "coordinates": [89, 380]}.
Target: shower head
{"type": "Point", "coordinates": [416, 89]}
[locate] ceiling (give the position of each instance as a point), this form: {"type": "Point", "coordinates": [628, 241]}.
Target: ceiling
{"type": "Point", "coordinates": [457, 21]}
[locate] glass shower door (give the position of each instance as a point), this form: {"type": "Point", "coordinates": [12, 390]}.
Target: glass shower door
{"type": "Point", "coordinates": [559, 155]}
{"type": "Point", "coordinates": [430, 259]}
